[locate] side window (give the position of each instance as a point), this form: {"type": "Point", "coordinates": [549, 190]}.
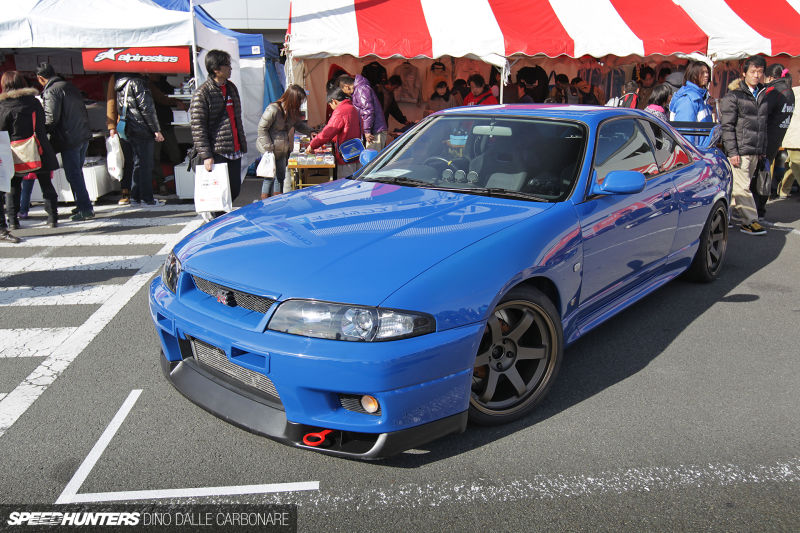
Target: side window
{"type": "Point", "coordinates": [622, 145]}
{"type": "Point", "coordinates": [669, 154]}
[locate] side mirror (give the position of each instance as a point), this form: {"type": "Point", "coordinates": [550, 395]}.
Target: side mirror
{"type": "Point", "coordinates": [367, 156]}
{"type": "Point", "coordinates": [619, 182]}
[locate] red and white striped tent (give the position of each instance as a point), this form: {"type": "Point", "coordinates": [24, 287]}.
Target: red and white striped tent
{"type": "Point", "coordinates": [493, 30]}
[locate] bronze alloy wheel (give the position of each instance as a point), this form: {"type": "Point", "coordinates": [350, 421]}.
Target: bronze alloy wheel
{"type": "Point", "coordinates": [518, 357]}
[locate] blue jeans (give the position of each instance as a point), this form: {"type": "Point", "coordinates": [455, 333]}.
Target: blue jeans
{"type": "Point", "coordinates": [73, 159]}
{"type": "Point", "coordinates": [25, 196]}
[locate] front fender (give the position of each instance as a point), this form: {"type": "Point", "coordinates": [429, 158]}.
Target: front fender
{"type": "Point", "coordinates": [466, 286]}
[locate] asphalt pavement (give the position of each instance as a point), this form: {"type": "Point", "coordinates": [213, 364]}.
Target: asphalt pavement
{"type": "Point", "coordinates": [679, 414]}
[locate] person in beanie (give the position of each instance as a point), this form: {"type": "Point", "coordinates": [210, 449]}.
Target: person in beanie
{"type": "Point", "coordinates": [216, 120]}
{"type": "Point", "coordinates": [67, 122]}
{"type": "Point", "coordinates": [743, 112]}
{"type": "Point", "coordinates": [21, 115]}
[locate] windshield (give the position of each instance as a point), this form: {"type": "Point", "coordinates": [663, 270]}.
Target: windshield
{"type": "Point", "coordinates": [523, 157]}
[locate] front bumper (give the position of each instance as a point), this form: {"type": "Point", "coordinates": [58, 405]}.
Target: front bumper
{"type": "Point", "coordinates": [263, 418]}
{"type": "Point", "coordinates": [422, 383]}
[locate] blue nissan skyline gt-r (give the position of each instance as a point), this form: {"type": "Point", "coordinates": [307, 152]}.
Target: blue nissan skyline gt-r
{"type": "Point", "coordinates": [370, 315]}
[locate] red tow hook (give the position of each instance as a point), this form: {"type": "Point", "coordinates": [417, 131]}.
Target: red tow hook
{"type": "Point", "coordinates": [315, 439]}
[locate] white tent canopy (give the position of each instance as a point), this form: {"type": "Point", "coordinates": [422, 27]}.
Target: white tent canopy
{"type": "Point", "coordinates": [129, 23]}
{"type": "Point", "coordinates": [91, 24]}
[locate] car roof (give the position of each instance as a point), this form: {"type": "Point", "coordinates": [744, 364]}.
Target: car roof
{"type": "Point", "coordinates": [584, 113]}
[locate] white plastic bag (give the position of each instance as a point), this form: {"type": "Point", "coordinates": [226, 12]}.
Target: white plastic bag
{"type": "Point", "coordinates": [6, 162]}
{"type": "Point", "coordinates": [266, 167]}
{"type": "Point", "coordinates": [115, 161]}
{"type": "Point", "coordinates": [212, 190]}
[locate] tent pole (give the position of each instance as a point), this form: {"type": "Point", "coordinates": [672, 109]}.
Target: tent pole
{"type": "Point", "coordinates": [502, 81]}
{"type": "Point", "coordinates": [194, 43]}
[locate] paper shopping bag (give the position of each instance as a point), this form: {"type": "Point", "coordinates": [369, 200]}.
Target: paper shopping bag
{"type": "Point", "coordinates": [212, 190]}
{"type": "Point", "coordinates": [6, 162]}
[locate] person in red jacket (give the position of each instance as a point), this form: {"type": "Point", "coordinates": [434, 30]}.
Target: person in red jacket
{"type": "Point", "coordinates": [344, 124]}
{"type": "Point", "coordinates": [479, 93]}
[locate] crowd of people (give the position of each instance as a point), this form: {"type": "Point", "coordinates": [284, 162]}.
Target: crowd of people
{"type": "Point", "coordinates": [755, 116]}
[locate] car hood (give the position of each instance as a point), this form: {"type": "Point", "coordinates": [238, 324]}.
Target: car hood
{"type": "Point", "coordinates": [346, 241]}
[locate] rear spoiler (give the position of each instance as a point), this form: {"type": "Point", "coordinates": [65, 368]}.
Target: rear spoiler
{"type": "Point", "coordinates": [711, 131]}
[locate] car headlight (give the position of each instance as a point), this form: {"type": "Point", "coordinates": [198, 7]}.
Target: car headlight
{"type": "Point", "coordinates": [324, 320]}
{"type": "Point", "coordinates": [170, 272]}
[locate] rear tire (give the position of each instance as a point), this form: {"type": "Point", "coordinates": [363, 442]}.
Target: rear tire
{"type": "Point", "coordinates": [710, 256]}
{"type": "Point", "coordinates": [518, 358]}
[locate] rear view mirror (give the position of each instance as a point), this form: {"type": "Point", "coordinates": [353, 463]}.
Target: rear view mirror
{"type": "Point", "coordinates": [491, 129]}
{"type": "Point", "coordinates": [620, 182]}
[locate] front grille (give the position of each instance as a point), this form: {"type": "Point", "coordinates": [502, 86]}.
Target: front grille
{"type": "Point", "coordinates": [352, 402]}
{"type": "Point", "coordinates": [215, 358]}
{"type": "Point", "coordinates": [259, 304]}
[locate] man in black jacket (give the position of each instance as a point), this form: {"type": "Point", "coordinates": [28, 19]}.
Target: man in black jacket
{"type": "Point", "coordinates": [216, 118]}
{"type": "Point", "coordinates": [142, 130]}
{"type": "Point", "coordinates": [743, 115]}
{"type": "Point", "coordinates": [67, 122]}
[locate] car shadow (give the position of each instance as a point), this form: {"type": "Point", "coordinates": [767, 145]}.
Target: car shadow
{"type": "Point", "coordinates": [663, 315]}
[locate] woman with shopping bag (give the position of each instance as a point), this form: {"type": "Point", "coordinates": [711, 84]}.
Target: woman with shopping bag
{"type": "Point", "coordinates": [278, 120]}
{"type": "Point", "coordinates": [22, 116]}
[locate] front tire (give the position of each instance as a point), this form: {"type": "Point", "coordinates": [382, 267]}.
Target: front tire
{"type": "Point", "coordinates": [707, 262]}
{"type": "Point", "coordinates": [518, 357]}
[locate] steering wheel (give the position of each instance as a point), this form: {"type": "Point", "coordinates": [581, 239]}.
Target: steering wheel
{"type": "Point", "coordinates": [437, 159]}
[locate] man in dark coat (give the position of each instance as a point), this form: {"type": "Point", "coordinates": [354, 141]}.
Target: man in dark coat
{"type": "Point", "coordinates": [743, 115]}
{"type": "Point", "coordinates": [21, 115]}
{"type": "Point", "coordinates": [780, 107]}
{"type": "Point", "coordinates": [216, 119]}
{"type": "Point", "coordinates": [142, 130]}
{"type": "Point", "coordinates": [67, 123]}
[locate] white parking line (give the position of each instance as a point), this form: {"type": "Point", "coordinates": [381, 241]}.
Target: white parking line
{"type": "Point", "coordinates": [70, 492]}
{"type": "Point", "coordinates": [32, 342]}
{"type": "Point", "coordinates": [13, 405]}
{"type": "Point", "coordinates": [2, 395]}
{"type": "Point", "coordinates": [109, 222]}
{"type": "Point", "coordinates": [96, 240]}
{"type": "Point", "coordinates": [49, 264]}
{"type": "Point", "coordinates": [547, 487]}
{"type": "Point", "coordinates": [67, 295]}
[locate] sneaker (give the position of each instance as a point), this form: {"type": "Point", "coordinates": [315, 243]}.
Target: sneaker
{"type": "Point", "coordinates": [754, 228]}
{"type": "Point", "coordinates": [74, 210]}
{"type": "Point", "coordinates": [81, 215]}
{"type": "Point", "coordinates": [126, 197]}
{"type": "Point", "coordinates": [5, 236]}
{"type": "Point", "coordinates": [154, 203]}
{"type": "Point", "coordinates": [23, 216]}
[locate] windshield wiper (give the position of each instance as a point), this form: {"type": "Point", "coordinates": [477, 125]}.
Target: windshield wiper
{"type": "Point", "coordinates": [398, 180]}
{"type": "Point", "coordinates": [493, 191]}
